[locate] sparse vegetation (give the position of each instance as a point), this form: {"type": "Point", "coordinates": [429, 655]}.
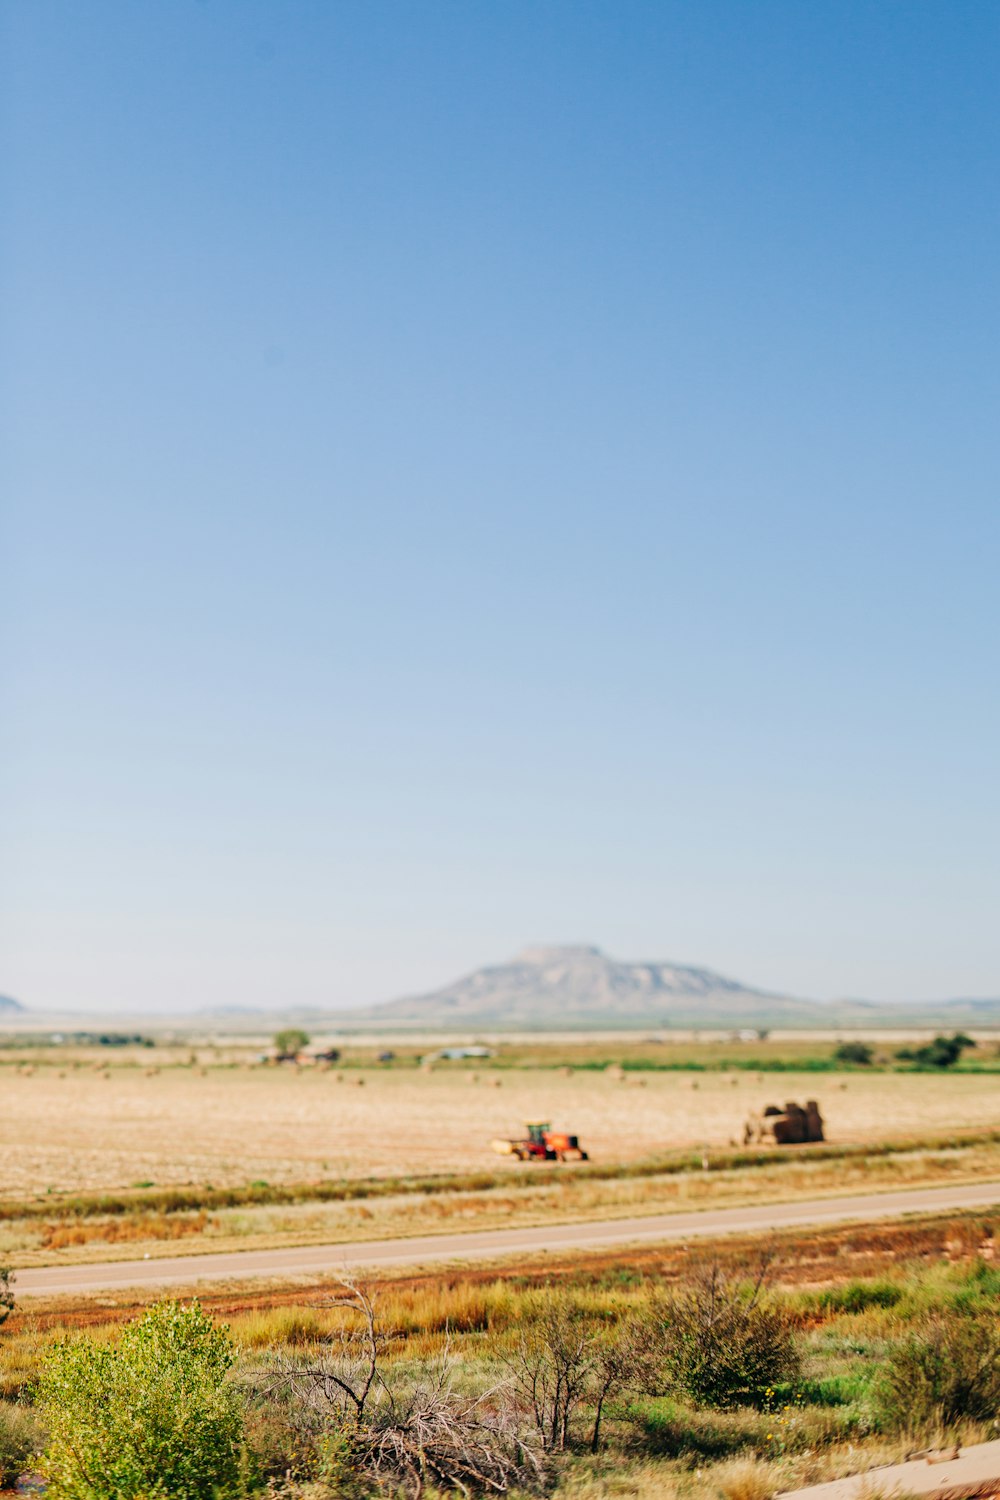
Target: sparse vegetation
{"type": "Point", "coordinates": [574, 1377]}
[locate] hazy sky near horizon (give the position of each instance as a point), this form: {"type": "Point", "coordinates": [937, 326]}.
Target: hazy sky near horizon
{"type": "Point", "coordinates": [484, 474]}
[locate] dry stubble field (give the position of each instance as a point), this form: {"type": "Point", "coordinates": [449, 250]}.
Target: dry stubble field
{"type": "Point", "coordinates": [231, 1126]}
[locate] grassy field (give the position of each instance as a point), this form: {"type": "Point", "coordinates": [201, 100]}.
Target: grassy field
{"type": "Point", "coordinates": [854, 1298]}
{"type": "Point", "coordinates": [71, 1129]}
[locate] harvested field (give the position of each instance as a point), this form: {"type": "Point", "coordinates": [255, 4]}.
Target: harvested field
{"type": "Point", "coordinates": [84, 1130]}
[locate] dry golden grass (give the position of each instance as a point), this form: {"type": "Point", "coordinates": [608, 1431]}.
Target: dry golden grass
{"type": "Point", "coordinates": [744, 1479]}
{"type": "Point", "coordinates": [123, 1230]}
{"type": "Point", "coordinates": [85, 1130]}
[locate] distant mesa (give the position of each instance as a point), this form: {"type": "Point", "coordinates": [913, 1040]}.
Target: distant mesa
{"type": "Point", "coordinates": [8, 1005]}
{"type": "Point", "coordinates": [579, 986]}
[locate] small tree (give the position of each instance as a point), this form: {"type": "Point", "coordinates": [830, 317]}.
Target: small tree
{"type": "Point", "coordinates": [564, 1364]}
{"type": "Point", "coordinates": [154, 1416]}
{"type": "Point", "coordinates": [290, 1042]}
{"type": "Point", "coordinates": [552, 1368]}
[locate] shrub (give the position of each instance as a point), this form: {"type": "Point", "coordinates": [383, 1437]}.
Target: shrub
{"type": "Point", "coordinates": [858, 1054]}
{"type": "Point", "coordinates": [938, 1377]}
{"type": "Point", "coordinates": [19, 1440]}
{"type": "Point", "coordinates": [728, 1344]}
{"type": "Point", "coordinates": [153, 1416]}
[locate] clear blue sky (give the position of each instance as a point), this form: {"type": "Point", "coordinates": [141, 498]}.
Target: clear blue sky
{"type": "Point", "coordinates": [489, 473]}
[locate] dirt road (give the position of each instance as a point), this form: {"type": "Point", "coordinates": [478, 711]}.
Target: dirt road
{"type": "Point", "coordinates": [318, 1260]}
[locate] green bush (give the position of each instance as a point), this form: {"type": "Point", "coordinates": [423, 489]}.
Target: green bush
{"type": "Point", "coordinates": [950, 1372]}
{"type": "Point", "coordinates": [152, 1416]}
{"type": "Point", "coordinates": [20, 1438]}
{"type": "Point", "coordinates": [857, 1054]}
{"type": "Point", "coordinates": [727, 1344]}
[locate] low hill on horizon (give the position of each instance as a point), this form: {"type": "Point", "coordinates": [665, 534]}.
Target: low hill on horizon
{"type": "Point", "coordinates": [7, 1003]}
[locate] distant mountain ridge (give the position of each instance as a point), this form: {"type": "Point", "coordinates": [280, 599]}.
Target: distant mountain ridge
{"type": "Point", "coordinates": [7, 1004]}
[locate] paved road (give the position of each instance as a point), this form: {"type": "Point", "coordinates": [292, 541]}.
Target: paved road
{"type": "Point", "coordinates": [374, 1255]}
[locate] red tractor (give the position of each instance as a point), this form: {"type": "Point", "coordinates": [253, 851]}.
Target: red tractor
{"type": "Point", "coordinates": [542, 1143]}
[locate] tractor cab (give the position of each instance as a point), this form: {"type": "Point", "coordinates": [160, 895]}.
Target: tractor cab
{"type": "Point", "coordinates": [538, 1132]}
